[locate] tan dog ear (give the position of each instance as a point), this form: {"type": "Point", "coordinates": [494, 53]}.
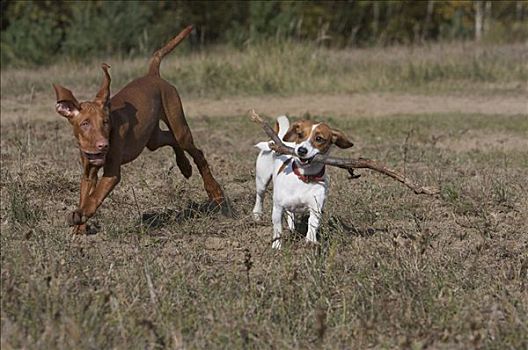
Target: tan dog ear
{"type": "Point", "coordinates": [103, 95]}
{"type": "Point", "coordinates": [340, 140]}
{"type": "Point", "coordinates": [291, 134]}
{"type": "Point", "coordinates": [67, 105]}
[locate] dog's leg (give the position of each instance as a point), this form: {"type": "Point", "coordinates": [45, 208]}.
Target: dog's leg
{"type": "Point", "coordinates": [211, 186]}
{"type": "Point", "coordinates": [177, 124]}
{"type": "Point", "coordinates": [88, 183]}
{"type": "Point", "coordinates": [105, 185]}
{"type": "Point", "coordinates": [259, 199]}
{"type": "Point", "coordinates": [276, 217]}
{"type": "Point", "coordinates": [290, 219]}
{"type": "Point", "coordinates": [263, 174]}
{"type": "Point", "coordinates": [314, 221]}
{"type": "Point", "coordinates": [162, 138]}
{"type": "Point", "coordinates": [315, 206]}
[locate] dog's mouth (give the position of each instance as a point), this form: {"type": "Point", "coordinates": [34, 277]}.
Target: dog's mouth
{"type": "Point", "coordinates": [95, 158]}
{"type": "Point", "coordinates": [306, 161]}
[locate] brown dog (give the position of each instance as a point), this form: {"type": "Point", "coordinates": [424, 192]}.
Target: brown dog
{"type": "Point", "coordinates": [114, 131]}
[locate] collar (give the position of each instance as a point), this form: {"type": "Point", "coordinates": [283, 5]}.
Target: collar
{"type": "Point", "coordinates": [319, 177]}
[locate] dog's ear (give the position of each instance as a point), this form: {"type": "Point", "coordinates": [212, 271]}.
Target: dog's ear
{"type": "Point", "coordinates": [340, 140]}
{"type": "Point", "coordinates": [103, 96]}
{"type": "Point", "coordinates": [67, 105]}
{"type": "Point", "coordinates": [292, 133]}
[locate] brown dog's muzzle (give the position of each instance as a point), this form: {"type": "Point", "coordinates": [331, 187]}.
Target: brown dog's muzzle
{"type": "Point", "coordinates": [95, 158]}
{"type": "Point", "coordinates": [98, 157]}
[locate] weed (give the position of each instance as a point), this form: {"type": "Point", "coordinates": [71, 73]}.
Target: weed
{"type": "Point", "coordinates": [22, 211]}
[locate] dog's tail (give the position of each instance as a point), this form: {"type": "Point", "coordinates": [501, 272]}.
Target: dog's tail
{"type": "Point", "coordinates": [155, 61]}
{"type": "Point", "coordinates": [281, 127]}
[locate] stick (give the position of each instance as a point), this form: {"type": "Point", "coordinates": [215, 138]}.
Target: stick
{"type": "Point", "coordinates": [344, 163]}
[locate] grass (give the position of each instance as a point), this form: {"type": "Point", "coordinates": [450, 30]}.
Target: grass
{"type": "Point", "coordinates": [394, 270]}
{"type": "Point", "coordinates": [290, 68]}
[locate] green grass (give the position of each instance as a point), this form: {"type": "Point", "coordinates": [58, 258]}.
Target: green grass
{"type": "Point", "coordinates": [394, 269]}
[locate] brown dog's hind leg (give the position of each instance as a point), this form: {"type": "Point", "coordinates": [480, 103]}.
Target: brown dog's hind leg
{"type": "Point", "coordinates": [178, 125]}
{"type": "Point", "coordinates": [162, 138]}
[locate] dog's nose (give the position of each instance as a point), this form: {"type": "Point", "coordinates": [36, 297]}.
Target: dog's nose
{"type": "Point", "coordinates": [302, 151]}
{"type": "Point", "coordinates": [102, 145]}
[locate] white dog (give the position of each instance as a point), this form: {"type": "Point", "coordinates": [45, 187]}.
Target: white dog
{"type": "Point", "coordinates": [298, 184]}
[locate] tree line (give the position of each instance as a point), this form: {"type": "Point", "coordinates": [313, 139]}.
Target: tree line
{"type": "Point", "coordinates": [37, 32]}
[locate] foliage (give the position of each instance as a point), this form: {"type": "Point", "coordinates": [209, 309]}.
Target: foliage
{"type": "Point", "coordinates": [34, 34]}
{"type": "Point", "coordinates": [38, 31]}
{"type": "Point", "coordinates": [125, 21]}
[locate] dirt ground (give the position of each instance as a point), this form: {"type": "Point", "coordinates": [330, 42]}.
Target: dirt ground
{"type": "Point", "coordinates": [350, 106]}
{"type": "Point", "coordinates": [360, 105]}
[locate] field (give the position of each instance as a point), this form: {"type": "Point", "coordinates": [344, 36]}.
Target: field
{"type": "Point", "coordinates": [393, 270]}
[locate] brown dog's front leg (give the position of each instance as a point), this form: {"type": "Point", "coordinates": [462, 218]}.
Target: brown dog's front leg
{"type": "Point", "coordinates": [90, 203]}
{"type": "Point", "coordinates": [88, 184]}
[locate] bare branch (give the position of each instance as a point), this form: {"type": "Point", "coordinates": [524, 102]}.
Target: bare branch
{"type": "Point", "coordinates": [344, 163]}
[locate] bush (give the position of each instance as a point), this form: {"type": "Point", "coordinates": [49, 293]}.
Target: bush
{"type": "Point", "coordinates": [34, 37]}
{"type": "Point", "coordinates": [36, 32]}
{"type": "Point", "coordinates": [106, 28]}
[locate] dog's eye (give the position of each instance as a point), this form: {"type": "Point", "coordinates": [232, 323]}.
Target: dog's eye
{"type": "Point", "coordinates": [319, 139]}
{"type": "Point", "coordinates": [85, 123]}
{"type": "Point", "coordinates": [300, 134]}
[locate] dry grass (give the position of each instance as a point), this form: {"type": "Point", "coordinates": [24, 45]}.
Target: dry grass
{"type": "Point", "coordinates": [292, 69]}
{"type": "Point", "coordinates": [394, 270]}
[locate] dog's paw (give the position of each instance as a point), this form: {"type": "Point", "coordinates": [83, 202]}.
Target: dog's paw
{"type": "Point", "coordinates": [85, 229]}
{"type": "Point", "coordinates": [79, 230]}
{"type": "Point", "coordinates": [76, 217]}
{"type": "Point", "coordinates": [257, 217]}
{"type": "Point", "coordinates": [184, 165]}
